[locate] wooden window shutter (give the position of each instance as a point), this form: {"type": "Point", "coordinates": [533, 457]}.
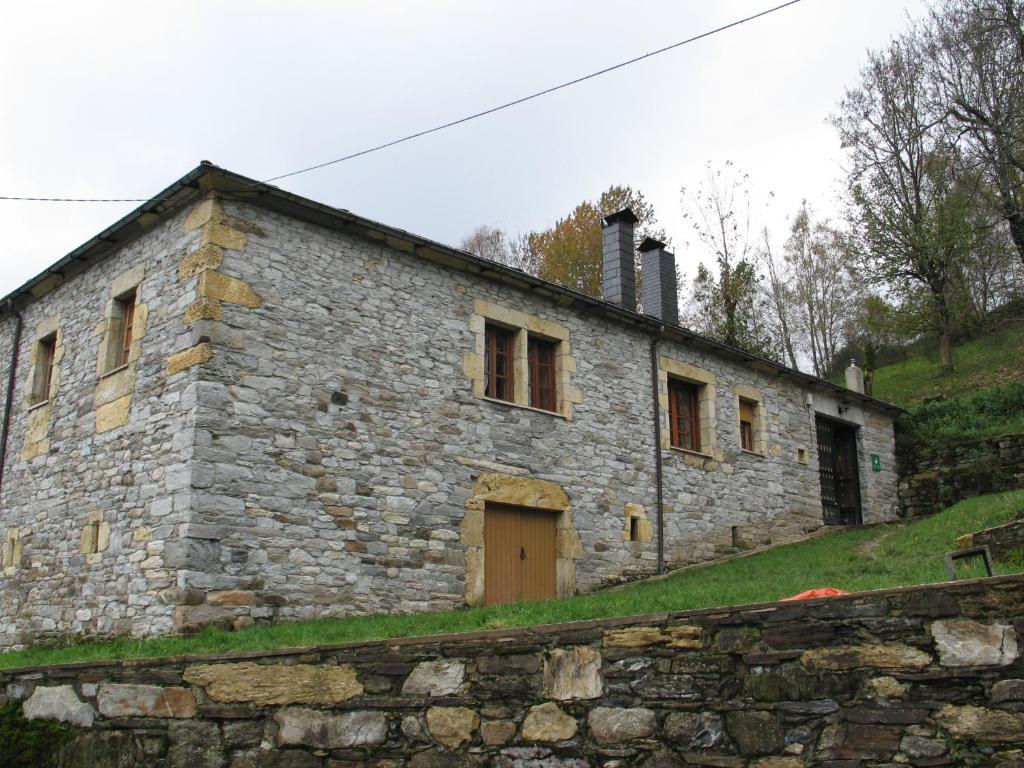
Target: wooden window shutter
{"type": "Point", "coordinates": [684, 415]}
{"type": "Point", "coordinates": [542, 373]}
{"type": "Point", "coordinates": [44, 368]}
{"type": "Point", "coordinates": [122, 338]}
{"type": "Point", "coordinates": [499, 353]}
{"type": "Point", "coordinates": [746, 425]}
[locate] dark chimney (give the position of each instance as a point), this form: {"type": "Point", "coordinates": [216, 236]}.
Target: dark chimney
{"type": "Point", "coordinates": [618, 267]}
{"type": "Point", "coordinates": [660, 291]}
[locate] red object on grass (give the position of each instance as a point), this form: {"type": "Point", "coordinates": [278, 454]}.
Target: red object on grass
{"type": "Point", "coordinates": [822, 592]}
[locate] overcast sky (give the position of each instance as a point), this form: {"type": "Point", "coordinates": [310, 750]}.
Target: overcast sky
{"type": "Point", "coordinates": [107, 99]}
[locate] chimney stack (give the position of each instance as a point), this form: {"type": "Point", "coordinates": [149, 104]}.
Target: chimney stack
{"type": "Point", "coordinates": [660, 290]}
{"type": "Point", "coordinates": [619, 284]}
{"type": "Point", "coordinates": [855, 378]}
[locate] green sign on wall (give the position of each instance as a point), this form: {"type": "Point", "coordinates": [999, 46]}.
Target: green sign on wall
{"type": "Point", "coordinates": [876, 463]}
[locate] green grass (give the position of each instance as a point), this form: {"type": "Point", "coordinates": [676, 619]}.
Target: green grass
{"type": "Point", "coordinates": [988, 413]}
{"type": "Point", "coordinates": [854, 560]}
{"type": "Point", "coordinates": [990, 361]}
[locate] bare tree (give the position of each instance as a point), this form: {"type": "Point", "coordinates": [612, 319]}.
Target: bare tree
{"type": "Point", "coordinates": [822, 288]}
{"type": "Point", "coordinates": [493, 244]}
{"type": "Point", "coordinates": [976, 67]}
{"type": "Point", "coordinates": [727, 306]}
{"type": "Point", "coordinates": [780, 296]}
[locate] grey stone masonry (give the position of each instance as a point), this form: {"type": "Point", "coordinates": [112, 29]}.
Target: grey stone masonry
{"type": "Point", "coordinates": [923, 676]}
{"type": "Point", "coordinates": [660, 286]}
{"type": "Point", "coordinates": [618, 266]}
{"type": "Point", "coordinates": [301, 431]}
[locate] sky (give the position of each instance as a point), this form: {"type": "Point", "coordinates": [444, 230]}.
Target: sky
{"type": "Point", "coordinates": [119, 99]}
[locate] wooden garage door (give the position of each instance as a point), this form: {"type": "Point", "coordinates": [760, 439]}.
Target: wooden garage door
{"type": "Point", "coordinates": [519, 554]}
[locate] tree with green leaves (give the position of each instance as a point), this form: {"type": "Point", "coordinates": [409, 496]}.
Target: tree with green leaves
{"type": "Point", "coordinates": [975, 60]}
{"type": "Point", "coordinates": [910, 203]}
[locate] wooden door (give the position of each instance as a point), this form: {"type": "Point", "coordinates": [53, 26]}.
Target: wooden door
{"type": "Point", "coordinates": [537, 530]}
{"type": "Point", "coordinates": [519, 554]}
{"type": "Point", "coordinates": [838, 472]}
{"type": "Point", "coordinates": [502, 569]}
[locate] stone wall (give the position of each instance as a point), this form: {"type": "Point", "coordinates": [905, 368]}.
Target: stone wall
{"type": "Point", "coordinates": [937, 479]}
{"type": "Point", "coordinates": [300, 431]}
{"type": "Point", "coordinates": [95, 478]}
{"type": "Point", "coordinates": [926, 676]}
{"type": "Point", "coordinates": [345, 441]}
{"type": "Point", "coordinates": [1003, 541]}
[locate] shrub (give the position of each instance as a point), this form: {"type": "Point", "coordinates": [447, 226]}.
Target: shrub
{"type": "Point", "coordinates": [932, 426]}
{"type": "Point", "coordinates": [28, 743]}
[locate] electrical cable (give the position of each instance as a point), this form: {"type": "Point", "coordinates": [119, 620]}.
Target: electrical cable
{"type": "Point", "coordinates": [449, 124]}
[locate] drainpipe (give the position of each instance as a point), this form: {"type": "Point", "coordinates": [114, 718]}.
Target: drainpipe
{"type": "Point", "coordinates": [657, 451]}
{"type": "Point", "coordinates": [9, 400]}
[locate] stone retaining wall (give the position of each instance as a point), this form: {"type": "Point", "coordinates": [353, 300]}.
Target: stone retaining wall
{"type": "Point", "coordinates": [924, 676]}
{"type": "Point", "coordinates": [1001, 540]}
{"type": "Point", "coordinates": [935, 480]}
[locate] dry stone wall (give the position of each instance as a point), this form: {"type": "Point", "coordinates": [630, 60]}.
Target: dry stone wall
{"type": "Point", "coordinates": [937, 479]}
{"type": "Point", "coordinates": [926, 676]}
{"type": "Point", "coordinates": [1003, 541]}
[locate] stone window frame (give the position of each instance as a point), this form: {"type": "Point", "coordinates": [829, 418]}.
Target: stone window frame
{"type": "Point", "coordinates": [95, 537]}
{"type": "Point", "coordinates": [760, 423]}
{"type": "Point", "coordinates": [636, 520]}
{"type": "Point", "coordinates": [706, 381]}
{"type": "Point", "coordinates": [36, 440]}
{"type": "Point", "coordinates": [41, 387]}
{"type": "Point", "coordinates": [524, 325]}
{"type": "Point", "coordinates": [116, 383]}
{"type": "Point", "coordinates": [125, 284]}
{"type": "Point", "coordinates": [45, 330]}
{"type": "Point", "coordinates": [11, 550]}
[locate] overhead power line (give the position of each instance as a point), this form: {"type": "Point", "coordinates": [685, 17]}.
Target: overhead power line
{"type": "Point", "coordinates": [451, 123]}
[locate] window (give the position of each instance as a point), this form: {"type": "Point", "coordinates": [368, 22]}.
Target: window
{"type": "Point", "coordinates": [746, 424]}
{"type": "Point", "coordinates": [521, 359]}
{"type": "Point", "coordinates": [121, 329]}
{"type": "Point", "coordinates": [499, 353]}
{"type": "Point", "coordinates": [684, 414]}
{"type": "Point", "coordinates": [42, 379]}
{"type": "Point", "coordinates": [541, 354]}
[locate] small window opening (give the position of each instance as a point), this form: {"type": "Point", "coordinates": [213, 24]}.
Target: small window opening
{"type": "Point", "coordinates": [684, 414]}
{"type": "Point", "coordinates": [499, 344]}
{"type": "Point", "coordinates": [541, 353]}
{"type": "Point", "coordinates": [735, 535]}
{"type": "Point", "coordinates": [90, 543]}
{"type": "Point", "coordinates": [123, 328]}
{"type": "Point", "coordinates": [634, 529]}
{"type": "Point", "coordinates": [46, 352]}
{"type": "Point", "coordinates": [746, 425]}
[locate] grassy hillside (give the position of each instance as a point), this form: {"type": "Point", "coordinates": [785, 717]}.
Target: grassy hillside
{"type": "Point", "coordinates": [854, 560]}
{"type": "Point", "coordinates": [990, 361]}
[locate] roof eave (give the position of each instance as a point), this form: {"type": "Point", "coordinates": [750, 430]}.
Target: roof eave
{"type": "Point", "coordinates": [207, 177]}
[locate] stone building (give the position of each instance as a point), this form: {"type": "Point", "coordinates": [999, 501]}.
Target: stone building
{"type": "Point", "coordinates": [237, 404]}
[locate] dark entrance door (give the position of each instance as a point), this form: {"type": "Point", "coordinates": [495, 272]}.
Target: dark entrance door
{"type": "Point", "coordinates": [837, 467]}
